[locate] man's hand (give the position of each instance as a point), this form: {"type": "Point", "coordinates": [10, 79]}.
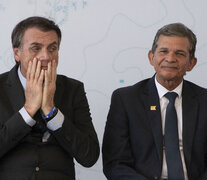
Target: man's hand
{"type": "Point", "coordinates": [34, 89]}
{"type": "Point", "coordinates": [49, 87]}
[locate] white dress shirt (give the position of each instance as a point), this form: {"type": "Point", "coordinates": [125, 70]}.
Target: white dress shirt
{"type": "Point", "coordinates": [53, 124]}
{"type": "Point", "coordinates": [178, 106]}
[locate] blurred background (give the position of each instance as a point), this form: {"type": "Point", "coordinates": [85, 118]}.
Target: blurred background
{"type": "Point", "coordinates": [105, 45]}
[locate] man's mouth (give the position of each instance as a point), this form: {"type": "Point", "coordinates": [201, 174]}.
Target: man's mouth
{"type": "Point", "coordinates": [169, 67]}
{"type": "Point", "coordinates": [44, 67]}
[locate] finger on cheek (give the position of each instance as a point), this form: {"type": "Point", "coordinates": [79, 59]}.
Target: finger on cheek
{"type": "Point", "coordinates": [54, 69]}
{"type": "Point", "coordinates": [41, 76]}
{"type": "Point", "coordinates": [29, 69]}
{"type": "Point", "coordinates": [34, 64]}
{"type": "Point", "coordinates": [46, 77]}
{"type": "Point", "coordinates": [38, 70]}
{"type": "Point", "coordinates": [49, 67]}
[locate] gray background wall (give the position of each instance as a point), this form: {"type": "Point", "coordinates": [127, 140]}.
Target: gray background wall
{"type": "Point", "coordinates": [105, 44]}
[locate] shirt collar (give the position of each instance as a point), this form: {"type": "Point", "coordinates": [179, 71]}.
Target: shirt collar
{"type": "Point", "coordinates": [22, 78]}
{"type": "Point", "coordinates": [162, 90]}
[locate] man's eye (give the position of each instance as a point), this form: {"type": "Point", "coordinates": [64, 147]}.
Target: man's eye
{"type": "Point", "coordinates": [35, 48]}
{"type": "Point", "coordinates": [52, 49]}
{"type": "Point", "coordinates": [163, 51]}
{"type": "Point", "coordinates": [181, 54]}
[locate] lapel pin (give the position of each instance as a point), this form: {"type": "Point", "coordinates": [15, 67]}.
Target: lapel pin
{"type": "Point", "coordinates": [153, 108]}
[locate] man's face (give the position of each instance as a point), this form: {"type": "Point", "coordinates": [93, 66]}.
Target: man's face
{"type": "Point", "coordinates": [39, 44]}
{"type": "Point", "coordinates": [171, 59]}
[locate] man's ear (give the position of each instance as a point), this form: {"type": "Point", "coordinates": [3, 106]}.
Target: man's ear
{"type": "Point", "coordinates": [151, 57]}
{"type": "Point", "coordinates": [192, 64]}
{"type": "Point", "coordinates": [16, 52]}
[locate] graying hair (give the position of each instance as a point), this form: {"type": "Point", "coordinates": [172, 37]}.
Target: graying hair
{"type": "Point", "coordinates": [176, 29]}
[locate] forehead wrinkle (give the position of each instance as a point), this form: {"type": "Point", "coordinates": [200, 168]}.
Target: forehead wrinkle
{"type": "Point", "coordinates": [40, 44]}
{"type": "Point", "coordinates": [166, 48]}
{"type": "Point", "coordinates": [39, 36]}
{"type": "Point", "coordinates": [173, 41]}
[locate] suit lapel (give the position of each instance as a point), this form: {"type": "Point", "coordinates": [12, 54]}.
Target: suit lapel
{"type": "Point", "coordinates": [15, 90]}
{"type": "Point", "coordinates": [190, 109]}
{"type": "Point", "coordinates": [152, 104]}
{"type": "Point", "coordinates": [58, 92]}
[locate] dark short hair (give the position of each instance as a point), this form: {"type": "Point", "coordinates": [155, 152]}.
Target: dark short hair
{"type": "Point", "coordinates": [41, 23]}
{"type": "Point", "coordinates": [176, 29]}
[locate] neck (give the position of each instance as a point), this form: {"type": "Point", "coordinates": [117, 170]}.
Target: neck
{"type": "Point", "coordinates": [169, 84]}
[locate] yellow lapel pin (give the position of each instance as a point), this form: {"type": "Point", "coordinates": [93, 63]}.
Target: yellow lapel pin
{"type": "Point", "coordinates": [153, 108]}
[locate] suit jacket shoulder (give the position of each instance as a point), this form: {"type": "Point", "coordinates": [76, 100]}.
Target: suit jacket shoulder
{"type": "Point", "coordinates": [3, 77]}
{"type": "Point", "coordinates": [194, 88]}
{"type": "Point", "coordinates": [68, 81]}
{"type": "Point", "coordinates": [137, 88]}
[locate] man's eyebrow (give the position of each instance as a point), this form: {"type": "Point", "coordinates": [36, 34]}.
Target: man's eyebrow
{"type": "Point", "coordinates": [177, 50]}
{"type": "Point", "coordinates": [53, 43]}
{"type": "Point", "coordinates": [39, 44]}
{"type": "Point", "coordinates": [163, 48]}
{"type": "Point", "coordinates": [181, 50]}
{"type": "Point", "coordinates": [35, 44]}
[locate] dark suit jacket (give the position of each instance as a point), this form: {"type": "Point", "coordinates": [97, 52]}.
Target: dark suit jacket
{"type": "Point", "coordinates": [23, 156]}
{"type": "Point", "coordinates": [132, 144]}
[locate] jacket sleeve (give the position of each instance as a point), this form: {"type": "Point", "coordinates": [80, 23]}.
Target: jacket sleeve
{"type": "Point", "coordinates": [118, 161]}
{"type": "Point", "coordinates": [11, 132]}
{"type": "Point", "coordinates": [77, 135]}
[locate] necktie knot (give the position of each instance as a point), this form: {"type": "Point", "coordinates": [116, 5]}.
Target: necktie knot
{"type": "Point", "coordinates": [171, 96]}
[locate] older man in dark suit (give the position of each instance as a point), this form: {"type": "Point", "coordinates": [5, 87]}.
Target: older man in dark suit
{"type": "Point", "coordinates": [44, 118]}
{"type": "Point", "coordinates": [157, 128]}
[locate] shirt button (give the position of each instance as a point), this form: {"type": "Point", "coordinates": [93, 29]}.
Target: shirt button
{"type": "Point", "coordinates": [37, 169]}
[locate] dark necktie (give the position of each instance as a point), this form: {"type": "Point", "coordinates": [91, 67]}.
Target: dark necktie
{"type": "Point", "coordinates": [40, 125]}
{"type": "Point", "coordinates": [172, 151]}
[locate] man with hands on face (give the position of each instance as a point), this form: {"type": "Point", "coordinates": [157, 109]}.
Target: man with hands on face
{"type": "Point", "coordinates": [40, 86]}
{"type": "Point", "coordinates": [45, 120]}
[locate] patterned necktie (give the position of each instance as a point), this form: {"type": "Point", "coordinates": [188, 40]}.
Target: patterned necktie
{"type": "Point", "coordinates": [172, 151]}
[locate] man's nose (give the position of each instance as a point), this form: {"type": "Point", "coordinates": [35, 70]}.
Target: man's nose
{"type": "Point", "coordinates": [171, 57]}
{"type": "Point", "coordinates": [44, 55]}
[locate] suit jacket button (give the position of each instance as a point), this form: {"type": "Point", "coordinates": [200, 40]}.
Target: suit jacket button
{"type": "Point", "coordinates": [37, 169]}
